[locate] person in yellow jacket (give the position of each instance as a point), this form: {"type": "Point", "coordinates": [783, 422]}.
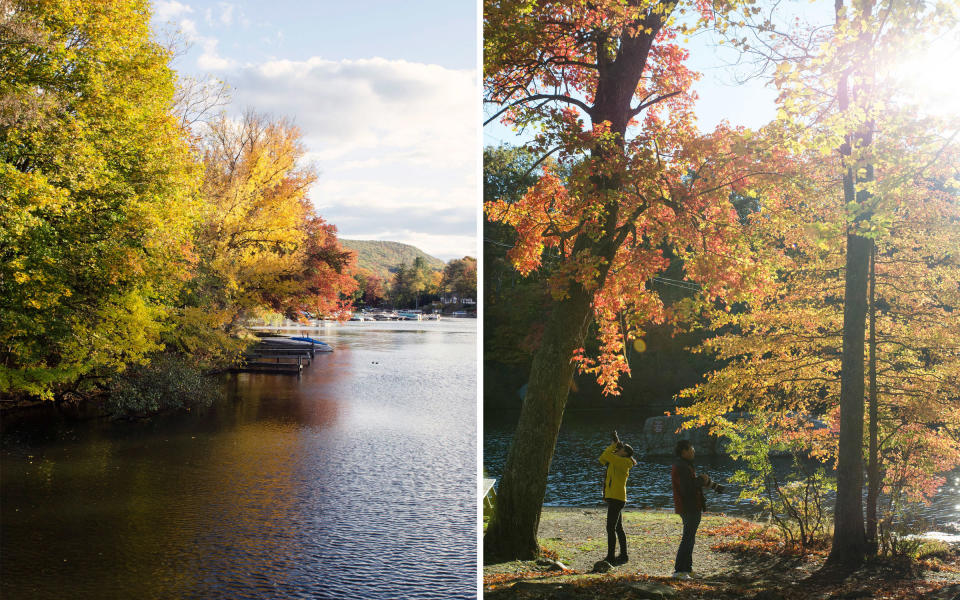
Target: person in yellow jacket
{"type": "Point", "coordinates": [618, 457]}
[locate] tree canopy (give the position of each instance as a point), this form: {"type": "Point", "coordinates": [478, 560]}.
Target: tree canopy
{"type": "Point", "coordinates": [132, 223]}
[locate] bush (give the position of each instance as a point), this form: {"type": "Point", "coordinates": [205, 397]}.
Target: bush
{"type": "Point", "coordinates": [168, 383]}
{"type": "Point", "coordinates": [795, 501]}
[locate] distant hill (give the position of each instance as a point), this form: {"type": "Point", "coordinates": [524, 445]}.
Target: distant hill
{"type": "Point", "coordinates": [384, 258]}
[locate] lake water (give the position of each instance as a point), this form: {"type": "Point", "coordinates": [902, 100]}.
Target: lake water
{"type": "Point", "coordinates": [575, 474]}
{"type": "Point", "coordinates": [357, 480]}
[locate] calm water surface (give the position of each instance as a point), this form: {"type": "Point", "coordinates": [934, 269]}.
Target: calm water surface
{"type": "Point", "coordinates": [357, 480]}
{"type": "Point", "coordinates": [575, 474]}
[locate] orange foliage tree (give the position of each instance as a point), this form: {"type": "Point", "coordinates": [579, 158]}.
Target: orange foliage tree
{"type": "Point", "coordinates": [260, 245]}
{"type": "Point", "coordinates": [586, 74]}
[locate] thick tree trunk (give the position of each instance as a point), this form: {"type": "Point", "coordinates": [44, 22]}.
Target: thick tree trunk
{"type": "Point", "coordinates": [873, 468]}
{"type": "Point", "coordinates": [512, 531]}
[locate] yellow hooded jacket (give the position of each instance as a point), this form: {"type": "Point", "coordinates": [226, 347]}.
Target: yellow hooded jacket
{"type": "Point", "coordinates": [618, 468]}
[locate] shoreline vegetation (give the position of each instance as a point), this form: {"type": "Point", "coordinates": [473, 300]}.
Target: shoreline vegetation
{"type": "Point", "coordinates": [169, 382]}
{"type": "Point", "coordinates": [733, 559]}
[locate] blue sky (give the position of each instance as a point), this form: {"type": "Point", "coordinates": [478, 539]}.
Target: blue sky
{"type": "Point", "coordinates": [386, 94]}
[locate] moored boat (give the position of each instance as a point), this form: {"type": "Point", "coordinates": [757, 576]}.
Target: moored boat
{"type": "Point", "coordinates": [318, 345]}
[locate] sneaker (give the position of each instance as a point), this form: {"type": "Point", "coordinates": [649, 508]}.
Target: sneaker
{"type": "Point", "coordinates": [610, 559]}
{"type": "Point", "coordinates": [680, 575]}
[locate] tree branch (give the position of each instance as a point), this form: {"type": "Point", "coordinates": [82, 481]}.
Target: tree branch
{"type": "Point", "coordinates": [557, 97]}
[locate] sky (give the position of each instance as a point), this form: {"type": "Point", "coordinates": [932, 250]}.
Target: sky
{"type": "Point", "coordinates": [724, 93]}
{"type": "Point", "coordinates": [386, 94]}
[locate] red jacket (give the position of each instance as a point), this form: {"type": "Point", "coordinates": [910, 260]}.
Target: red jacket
{"type": "Point", "coordinates": [687, 488]}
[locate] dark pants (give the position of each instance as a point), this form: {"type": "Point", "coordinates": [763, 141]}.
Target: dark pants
{"type": "Point", "coordinates": [615, 526]}
{"type": "Point", "coordinates": [684, 562]}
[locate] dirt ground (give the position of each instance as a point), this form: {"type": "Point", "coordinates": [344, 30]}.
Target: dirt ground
{"type": "Point", "coordinates": [576, 537]}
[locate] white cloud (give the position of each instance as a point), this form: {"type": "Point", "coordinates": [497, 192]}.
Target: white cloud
{"type": "Point", "coordinates": [189, 29]}
{"type": "Point", "coordinates": [353, 105]}
{"type": "Point", "coordinates": [164, 11]}
{"type": "Point", "coordinates": [211, 59]}
{"type": "Point", "coordinates": [395, 143]}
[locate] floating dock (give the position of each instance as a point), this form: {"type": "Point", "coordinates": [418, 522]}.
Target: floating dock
{"type": "Point", "coordinates": [280, 355]}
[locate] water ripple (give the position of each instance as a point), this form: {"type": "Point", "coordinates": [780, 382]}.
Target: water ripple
{"type": "Point", "coordinates": [355, 481]}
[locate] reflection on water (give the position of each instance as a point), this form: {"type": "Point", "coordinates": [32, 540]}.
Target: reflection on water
{"type": "Point", "coordinates": [575, 474]}
{"type": "Point", "coordinates": [358, 480]}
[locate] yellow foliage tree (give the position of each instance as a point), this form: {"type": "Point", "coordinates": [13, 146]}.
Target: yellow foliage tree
{"type": "Point", "coordinates": [98, 191]}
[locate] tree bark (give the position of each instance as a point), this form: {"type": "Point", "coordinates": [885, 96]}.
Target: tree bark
{"type": "Point", "coordinates": [873, 468]}
{"type": "Point", "coordinates": [512, 531]}
{"type": "Point", "coordinates": [849, 538]}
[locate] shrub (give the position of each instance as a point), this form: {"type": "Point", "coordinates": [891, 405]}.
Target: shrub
{"type": "Point", "coordinates": [795, 501]}
{"type": "Point", "coordinates": [167, 383]}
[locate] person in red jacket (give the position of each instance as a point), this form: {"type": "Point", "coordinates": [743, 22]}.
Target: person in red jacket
{"type": "Point", "coordinates": [618, 457]}
{"type": "Point", "coordinates": [689, 503]}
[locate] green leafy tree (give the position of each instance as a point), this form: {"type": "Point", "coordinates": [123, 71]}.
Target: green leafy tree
{"type": "Point", "coordinates": [410, 282]}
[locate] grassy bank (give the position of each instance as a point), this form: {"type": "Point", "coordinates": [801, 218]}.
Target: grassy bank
{"type": "Point", "coordinates": [725, 567]}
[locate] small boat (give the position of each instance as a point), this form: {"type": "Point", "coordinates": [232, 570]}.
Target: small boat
{"type": "Point", "coordinates": [286, 342]}
{"type": "Point", "coordinates": [318, 345]}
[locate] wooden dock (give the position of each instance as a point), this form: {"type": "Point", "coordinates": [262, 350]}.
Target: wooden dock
{"type": "Point", "coordinates": [270, 356]}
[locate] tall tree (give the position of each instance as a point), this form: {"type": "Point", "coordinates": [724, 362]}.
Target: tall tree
{"type": "Point", "coordinates": [261, 244]}
{"type": "Point", "coordinates": [834, 93]}
{"type": "Point", "coordinates": [627, 207]}
{"type": "Point", "coordinates": [855, 61]}
{"type": "Point", "coordinates": [782, 355]}
{"type": "Point", "coordinates": [98, 192]}
{"type": "Point", "coordinates": [460, 277]}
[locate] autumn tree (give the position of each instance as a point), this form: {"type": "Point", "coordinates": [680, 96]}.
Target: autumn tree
{"type": "Point", "coordinates": [460, 277]}
{"type": "Point", "coordinates": [323, 282]}
{"type": "Point", "coordinates": [625, 207]}
{"type": "Point", "coordinates": [371, 288]}
{"type": "Point", "coordinates": [261, 244]}
{"type": "Point", "coordinates": [838, 100]}
{"type": "Point", "coordinates": [98, 192]}
{"type": "Point", "coordinates": [782, 354]}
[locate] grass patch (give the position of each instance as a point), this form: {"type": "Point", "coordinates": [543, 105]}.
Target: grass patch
{"type": "Point", "coordinates": [556, 549]}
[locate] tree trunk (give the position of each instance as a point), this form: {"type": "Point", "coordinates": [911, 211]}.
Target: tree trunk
{"type": "Point", "coordinates": [873, 468]}
{"type": "Point", "coordinates": [512, 531]}
{"type": "Point", "coordinates": [849, 540]}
